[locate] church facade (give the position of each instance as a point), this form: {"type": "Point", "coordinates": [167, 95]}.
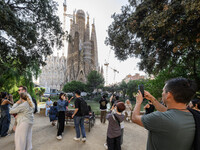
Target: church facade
{"type": "Point", "coordinates": [82, 56]}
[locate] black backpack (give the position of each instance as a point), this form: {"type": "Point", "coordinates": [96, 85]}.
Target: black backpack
{"type": "Point", "coordinates": [83, 107]}
{"type": "Point", "coordinates": [34, 101]}
{"type": "Point", "coordinates": [196, 115]}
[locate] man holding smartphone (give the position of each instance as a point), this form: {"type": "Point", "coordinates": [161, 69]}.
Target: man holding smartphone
{"type": "Point", "coordinates": [171, 127]}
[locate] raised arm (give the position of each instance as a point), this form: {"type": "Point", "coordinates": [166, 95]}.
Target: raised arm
{"type": "Point", "coordinates": [17, 108]}
{"type": "Point", "coordinates": [7, 102]}
{"type": "Point", "coordinates": [156, 103]}
{"type": "Point", "coordinates": [136, 117]}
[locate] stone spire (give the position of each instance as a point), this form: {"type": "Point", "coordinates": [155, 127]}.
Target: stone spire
{"type": "Point", "coordinates": [87, 30]}
{"type": "Point", "coordinates": [64, 25]}
{"type": "Point", "coordinates": [74, 16]}
{"type": "Point", "coordinates": [94, 49]}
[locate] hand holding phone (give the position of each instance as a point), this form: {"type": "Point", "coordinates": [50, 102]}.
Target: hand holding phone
{"type": "Point", "coordinates": [141, 88]}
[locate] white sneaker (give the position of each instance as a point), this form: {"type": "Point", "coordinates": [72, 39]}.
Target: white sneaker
{"type": "Point", "coordinates": [105, 145]}
{"type": "Point", "coordinates": [59, 137]}
{"type": "Point", "coordinates": [84, 139]}
{"type": "Point", "coordinates": [76, 139]}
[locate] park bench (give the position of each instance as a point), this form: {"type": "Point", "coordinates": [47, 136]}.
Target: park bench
{"type": "Point", "coordinates": [89, 120]}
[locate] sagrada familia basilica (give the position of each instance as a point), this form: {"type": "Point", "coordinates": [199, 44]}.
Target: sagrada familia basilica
{"type": "Point", "coordinates": [82, 56]}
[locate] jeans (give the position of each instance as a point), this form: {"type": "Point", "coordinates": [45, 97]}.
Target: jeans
{"type": "Point", "coordinates": [4, 124]}
{"type": "Point", "coordinates": [79, 121]}
{"type": "Point", "coordinates": [46, 112]}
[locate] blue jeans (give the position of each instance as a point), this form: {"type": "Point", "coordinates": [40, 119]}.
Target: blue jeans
{"type": "Point", "coordinates": [46, 112]}
{"type": "Point", "coordinates": [79, 120]}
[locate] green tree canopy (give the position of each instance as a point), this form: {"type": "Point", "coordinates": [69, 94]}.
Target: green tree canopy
{"type": "Point", "coordinates": [123, 86]}
{"type": "Point", "coordinates": [94, 80]}
{"type": "Point", "coordinates": [73, 86]}
{"type": "Point", "coordinates": [161, 32]}
{"type": "Point", "coordinates": [29, 29]}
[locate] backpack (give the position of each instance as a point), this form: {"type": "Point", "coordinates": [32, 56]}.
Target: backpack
{"type": "Point", "coordinates": [84, 108]}
{"type": "Point", "coordinates": [34, 101]}
{"type": "Point", "coordinates": [103, 103]}
{"type": "Point", "coordinates": [196, 115]}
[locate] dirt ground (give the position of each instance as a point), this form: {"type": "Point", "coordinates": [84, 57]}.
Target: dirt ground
{"type": "Point", "coordinates": [44, 137]}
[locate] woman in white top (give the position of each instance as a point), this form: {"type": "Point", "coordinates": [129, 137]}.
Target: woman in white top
{"type": "Point", "coordinates": [128, 110]}
{"type": "Point", "coordinates": [23, 134]}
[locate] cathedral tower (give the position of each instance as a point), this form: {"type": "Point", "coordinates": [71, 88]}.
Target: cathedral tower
{"type": "Point", "coordinates": [82, 49]}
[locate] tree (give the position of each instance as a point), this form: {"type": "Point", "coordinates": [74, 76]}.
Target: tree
{"type": "Point", "coordinates": [29, 30]}
{"type": "Point", "coordinates": [94, 80]}
{"type": "Point", "coordinates": [39, 91]}
{"type": "Point", "coordinates": [73, 86]}
{"type": "Point", "coordinates": [123, 86]}
{"type": "Point", "coordinates": [162, 33]}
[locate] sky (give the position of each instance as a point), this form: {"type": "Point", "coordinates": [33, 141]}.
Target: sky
{"type": "Point", "coordinates": [101, 11]}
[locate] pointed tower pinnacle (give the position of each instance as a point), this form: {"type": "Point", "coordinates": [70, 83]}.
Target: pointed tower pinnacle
{"type": "Point", "coordinates": [88, 17]}
{"type": "Point", "coordinates": [94, 49]}
{"type": "Point", "coordinates": [74, 16]}
{"type": "Point", "coordinates": [64, 25]}
{"type": "Point", "coordinates": [87, 30]}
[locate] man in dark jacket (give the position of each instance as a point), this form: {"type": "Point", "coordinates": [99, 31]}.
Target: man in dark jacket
{"type": "Point", "coordinates": [103, 107]}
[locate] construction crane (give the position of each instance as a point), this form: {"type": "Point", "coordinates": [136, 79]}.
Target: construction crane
{"type": "Point", "coordinates": [64, 23]}
{"type": "Point", "coordinates": [65, 14]}
{"type": "Point", "coordinates": [114, 70]}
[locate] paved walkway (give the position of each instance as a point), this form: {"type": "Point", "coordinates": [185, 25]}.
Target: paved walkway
{"type": "Point", "coordinates": [44, 137]}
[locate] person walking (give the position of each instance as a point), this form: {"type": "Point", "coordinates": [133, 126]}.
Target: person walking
{"type": "Point", "coordinates": [24, 109]}
{"type": "Point", "coordinates": [103, 107]}
{"type": "Point", "coordinates": [5, 116]}
{"type": "Point", "coordinates": [61, 106]}
{"type": "Point", "coordinates": [171, 127]}
{"type": "Point", "coordinates": [79, 117]}
{"type": "Point", "coordinates": [48, 105]}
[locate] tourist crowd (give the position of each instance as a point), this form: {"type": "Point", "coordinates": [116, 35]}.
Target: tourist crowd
{"type": "Point", "coordinates": [173, 123]}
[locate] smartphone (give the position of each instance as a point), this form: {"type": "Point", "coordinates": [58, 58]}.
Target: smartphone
{"type": "Point", "coordinates": [141, 88]}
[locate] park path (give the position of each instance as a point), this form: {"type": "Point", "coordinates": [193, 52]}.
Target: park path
{"type": "Point", "coordinates": [44, 137]}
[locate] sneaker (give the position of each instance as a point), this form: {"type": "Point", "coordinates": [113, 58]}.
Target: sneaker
{"type": "Point", "coordinates": [84, 139]}
{"type": "Point", "coordinates": [59, 137]}
{"type": "Point", "coordinates": [76, 139]}
{"type": "Point", "coordinates": [6, 135]}
{"type": "Point", "coordinates": [105, 145]}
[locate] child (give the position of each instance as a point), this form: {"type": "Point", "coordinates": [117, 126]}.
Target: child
{"type": "Point", "coordinates": [52, 113]}
{"type": "Point", "coordinates": [114, 128]}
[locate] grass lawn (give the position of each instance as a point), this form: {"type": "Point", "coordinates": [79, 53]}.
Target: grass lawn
{"type": "Point", "coordinates": [95, 106]}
